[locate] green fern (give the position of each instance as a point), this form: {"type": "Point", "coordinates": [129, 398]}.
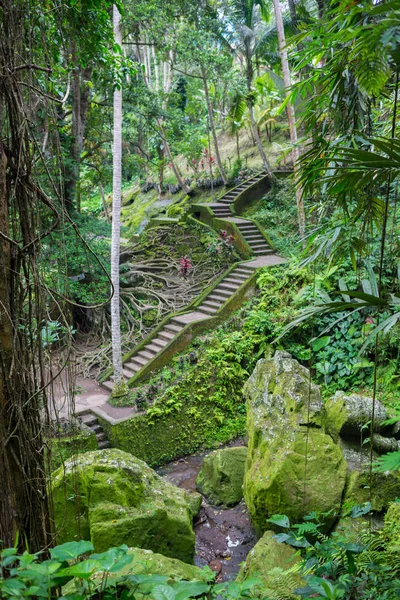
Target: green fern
{"type": "Point", "coordinates": [388, 462]}
{"type": "Point", "coordinates": [281, 583]}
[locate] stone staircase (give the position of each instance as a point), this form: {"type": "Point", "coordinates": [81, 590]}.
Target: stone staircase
{"type": "Point", "coordinates": [158, 343]}
{"type": "Point", "coordinates": [223, 208]}
{"type": "Point", "coordinates": [91, 421]}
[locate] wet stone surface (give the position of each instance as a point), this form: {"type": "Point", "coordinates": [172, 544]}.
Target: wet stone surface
{"type": "Point", "coordinates": [224, 536]}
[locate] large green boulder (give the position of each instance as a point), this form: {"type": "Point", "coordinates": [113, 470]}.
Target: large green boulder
{"type": "Point", "coordinates": [293, 466]}
{"type": "Point", "coordinates": [221, 476]}
{"type": "Point", "coordinates": [276, 565]}
{"type": "Point", "coordinates": [113, 498]}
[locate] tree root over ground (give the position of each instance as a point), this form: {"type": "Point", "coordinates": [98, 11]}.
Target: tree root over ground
{"type": "Point", "coordinates": [152, 287]}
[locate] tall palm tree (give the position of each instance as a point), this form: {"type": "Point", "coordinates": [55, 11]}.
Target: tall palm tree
{"type": "Point", "coordinates": [119, 385]}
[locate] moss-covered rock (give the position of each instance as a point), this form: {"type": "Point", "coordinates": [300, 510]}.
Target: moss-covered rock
{"type": "Point", "coordinates": [113, 498]}
{"type": "Point", "coordinates": [61, 449]}
{"type": "Point", "coordinates": [392, 528]}
{"type": "Point", "coordinates": [354, 411]}
{"type": "Point", "coordinates": [221, 476]}
{"type": "Point", "coordinates": [276, 565]}
{"type": "Point", "coordinates": [385, 489]}
{"type": "Point", "coordinates": [194, 501]}
{"type": "Point", "coordinates": [146, 562]}
{"type": "Point", "coordinates": [293, 466]}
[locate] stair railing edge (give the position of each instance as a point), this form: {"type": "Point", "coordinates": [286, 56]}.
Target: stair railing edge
{"type": "Point", "coordinates": [237, 205]}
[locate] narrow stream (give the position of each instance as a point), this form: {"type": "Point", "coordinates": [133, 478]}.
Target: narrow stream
{"type": "Point", "coordinates": [224, 536]}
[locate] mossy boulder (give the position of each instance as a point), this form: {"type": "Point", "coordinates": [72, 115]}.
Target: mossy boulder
{"type": "Point", "coordinates": [113, 498]}
{"type": "Point", "coordinates": [385, 489]}
{"type": "Point", "coordinates": [293, 466]}
{"type": "Point", "coordinates": [391, 529]}
{"type": "Point", "coordinates": [146, 562]}
{"type": "Point", "coordinates": [353, 412]}
{"type": "Point", "coordinates": [152, 563]}
{"type": "Point", "coordinates": [276, 565]}
{"type": "Point", "coordinates": [221, 476]}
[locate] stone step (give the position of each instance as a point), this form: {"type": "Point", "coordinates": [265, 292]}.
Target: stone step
{"type": "Point", "coordinates": [255, 236]}
{"type": "Point", "coordinates": [229, 286]}
{"type": "Point", "coordinates": [235, 280]}
{"type": "Point", "coordinates": [135, 365]}
{"type": "Point", "coordinates": [222, 213]}
{"type": "Point", "coordinates": [247, 272]}
{"type": "Point", "coordinates": [141, 360]}
{"type": "Point", "coordinates": [153, 348]}
{"type": "Point", "coordinates": [248, 228]}
{"type": "Point", "coordinates": [96, 428]}
{"type": "Point", "coordinates": [128, 373]}
{"type": "Point", "coordinates": [131, 365]}
{"type": "Point", "coordinates": [145, 354]}
{"type": "Point", "coordinates": [207, 310]}
{"type": "Point", "coordinates": [166, 335]}
{"type": "Point", "coordinates": [157, 341]}
{"type": "Point", "coordinates": [217, 290]}
{"type": "Point", "coordinates": [173, 327]}
{"type": "Point", "coordinates": [225, 201]}
{"type": "Point", "coordinates": [263, 252]}
{"type": "Point", "coordinates": [108, 385]}
{"type": "Point", "coordinates": [104, 444]}
{"type": "Point", "coordinates": [89, 419]}
{"type": "Point", "coordinates": [217, 298]}
{"type": "Point", "coordinates": [212, 303]}
{"type": "Point", "coordinates": [101, 436]}
{"type": "Point", "coordinates": [259, 246]}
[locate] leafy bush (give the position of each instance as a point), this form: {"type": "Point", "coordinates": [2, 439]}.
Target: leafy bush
{"type": "Point", "coordinates": [337, 567]}
{"type": "Point", "coordinates": [74, 574]}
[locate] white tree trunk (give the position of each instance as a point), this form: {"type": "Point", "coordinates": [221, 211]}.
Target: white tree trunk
{"type": "Point", "coordinates": [291, 115]}
{"type": "Point", "coordinates": [212, 125]}
{"type": "Point", "coordinates": [116, 222]}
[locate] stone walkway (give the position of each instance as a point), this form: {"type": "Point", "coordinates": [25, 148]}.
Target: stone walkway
{"type": "Point", "coordinates": [94, 397]}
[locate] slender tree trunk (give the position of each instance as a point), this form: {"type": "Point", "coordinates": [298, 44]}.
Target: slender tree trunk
{"type": "Point", "coordinates": [103, 199]}
{"type": "Point", "coordinates": [212, 125]}
{"type": "Point", "coordinates": [175, 169]}
{"type": "Point", "coordinates": [80, 105]}
{"type": "Point", "coordinates": [253, 125]}
{"type": "Point", "coordinates": [237, 144]}
{"type": "Point", "coordinates": [119, 386]}
{"type": "Point", "coordinates": [291, 116]}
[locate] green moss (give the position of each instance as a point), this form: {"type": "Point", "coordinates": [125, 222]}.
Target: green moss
{"type": "Point", "coordinates": [334, 416]}
{"type": "Point", "coordinates": [62, 448]}
{"type": "Point", "coordinates": [112, 498]}
{"type": "Point", "coordinates": [276, 564]}
{"type": "Point", "coordinates": [385, 489]}
{"type": "Point", "coordinates": [293, 467]}
{"type": "Point", "coordinates": [221, 476]}
{"type": "Point", "coordinates": [155, 439]}
{"type": "Point", "coordinates": [392, 527]}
